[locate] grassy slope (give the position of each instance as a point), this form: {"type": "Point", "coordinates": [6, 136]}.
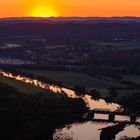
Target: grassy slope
{"type": "Point", "coordinates": [133, 78]}
{"type": "Point", "coordinates": [20, 86]}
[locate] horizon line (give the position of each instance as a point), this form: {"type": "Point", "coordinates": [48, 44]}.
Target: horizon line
{"type": "Point", "coordinates": [70, 17]}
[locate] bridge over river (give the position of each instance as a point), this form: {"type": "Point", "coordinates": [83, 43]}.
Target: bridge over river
{"type": "Point", "coordinates": [115, 117]}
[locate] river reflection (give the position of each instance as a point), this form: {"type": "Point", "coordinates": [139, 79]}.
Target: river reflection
{"type": "Point", "coordinates": [101, 116]}
{"type": "Point", "coordinates": [100, 104]}
{"type": "Point", "coordinates": [83, 131]}
{"type": "Point", "coordinates": [131, 131]}
{"type": "Point", "coordinates": [91, 131]}
{"type": "Point", "coordinates": [122, 118]}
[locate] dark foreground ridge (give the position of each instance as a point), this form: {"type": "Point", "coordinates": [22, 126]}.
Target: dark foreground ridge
{"type": "Point", "coordinates": [35, 116]}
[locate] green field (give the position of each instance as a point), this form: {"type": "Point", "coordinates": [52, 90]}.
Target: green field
{"type": "Point", "coordinates": [20, 86]}
{"type": "Point", "coordinates": [133, 78]}
{"type": "Point", "coordinates": [56, 46]}
{"type": "Point", "coordinates": [71, 79]}
{"type": "Point", "coordinates": [122, 45]}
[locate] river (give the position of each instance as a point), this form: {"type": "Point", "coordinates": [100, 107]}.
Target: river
{"type": "Point", "coordinates": [91, 131]}
{"type": "Point", "coordinates": [88, 130]}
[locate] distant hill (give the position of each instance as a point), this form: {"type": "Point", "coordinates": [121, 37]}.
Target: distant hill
{"type": "Point", "coordinates": [70, 19]}
{"type": "Point", "coordinates": [66, 29]}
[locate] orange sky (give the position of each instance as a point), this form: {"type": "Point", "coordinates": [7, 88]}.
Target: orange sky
{"type": "Point", "coordinates": [16, 8]}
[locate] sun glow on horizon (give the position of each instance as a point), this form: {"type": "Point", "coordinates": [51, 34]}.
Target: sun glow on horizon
{"type": "Point", "coordinates": [69, 8]}
{"type": "Point", "coordinates": [43, 12]}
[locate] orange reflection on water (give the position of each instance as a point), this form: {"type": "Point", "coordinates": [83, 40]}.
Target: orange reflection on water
{"type": "Point", "coordinates": [100, 104]}
{"type": "Point", "coordinates": [129, 131]}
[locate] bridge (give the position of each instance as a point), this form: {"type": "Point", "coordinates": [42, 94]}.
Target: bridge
{"type": "Point", "coordinates": [111, 116]}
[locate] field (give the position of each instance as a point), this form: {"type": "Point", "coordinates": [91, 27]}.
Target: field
{"type": "Point", "coordinates": [122, 45]}
{"type": "Point", "coordinates": [56, 46]}
{"type": "Point", "coordinates": [133, 78]}
{"type": "Point", "coordinates": [71, 79]}
{"type": "Point", "coordinates": [20, 86]}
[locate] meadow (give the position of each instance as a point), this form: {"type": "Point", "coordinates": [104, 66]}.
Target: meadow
{"type": "Point", "coordinates": [71, 79]}
{"type": "Point", "coordinates": [21, 86]}
{"type": "Point", "coordinates": [121, 45]}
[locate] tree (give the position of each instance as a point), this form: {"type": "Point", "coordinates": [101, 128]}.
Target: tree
{"type": "Point", "coordinates": [79, 90]}
{"type": "Point", "coordinates": [95, 94]}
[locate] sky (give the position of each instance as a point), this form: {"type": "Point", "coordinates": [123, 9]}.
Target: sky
{"type": "Point", "coordinates": [86, 8]}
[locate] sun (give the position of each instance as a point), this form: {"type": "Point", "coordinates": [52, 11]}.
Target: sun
{"type": "Point", "coordinates": [43, 12]}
